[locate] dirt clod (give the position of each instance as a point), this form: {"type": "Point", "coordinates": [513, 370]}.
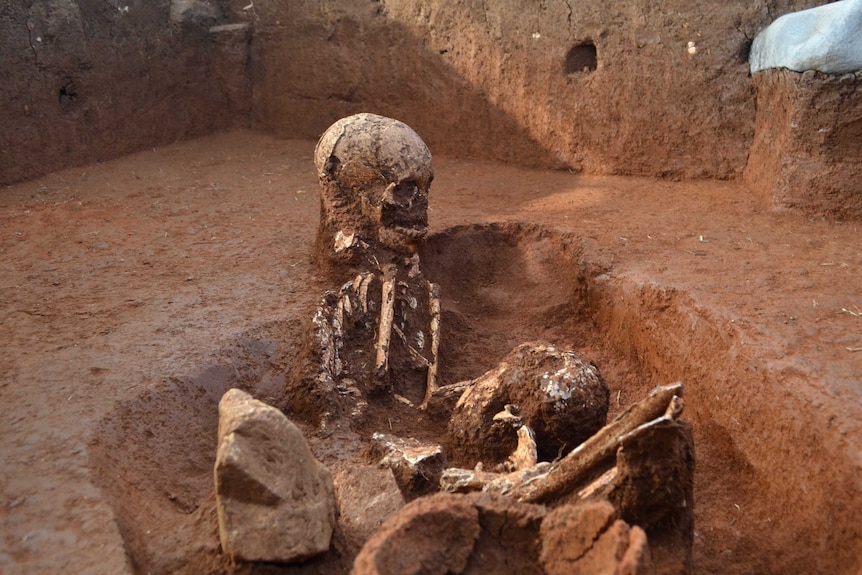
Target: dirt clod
{"type": "Point", "coordinates": [589, 538]}
{"type": "Point", "coordinates": [275, 501]}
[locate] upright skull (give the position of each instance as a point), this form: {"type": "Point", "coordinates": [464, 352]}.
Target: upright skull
{"type": "Point", "coordinates": [375, 173]}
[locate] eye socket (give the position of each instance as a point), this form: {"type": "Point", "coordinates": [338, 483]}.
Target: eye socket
{"type": "Point", "coordinates": [403, 193]}
{"type": "Point", "coordinates": [406, 190]}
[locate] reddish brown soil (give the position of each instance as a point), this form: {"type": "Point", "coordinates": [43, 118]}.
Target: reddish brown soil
{"type": "Point", "coordinates": [134, 292]}
{"type": "Point", "coordinates": [806, 152]}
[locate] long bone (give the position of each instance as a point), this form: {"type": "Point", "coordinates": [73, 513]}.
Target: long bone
{"type": "Point", "coordinates": [387, 311]}
{"type": "Point", "coordinates": [663, 403]}
{"type": "Point", "coordinates": [547, 481]}
{"type": "Point", "coordinates": [434, 311]}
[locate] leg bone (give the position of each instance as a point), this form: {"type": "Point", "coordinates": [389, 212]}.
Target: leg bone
{"type": "Point", "coordinates": [434, 310]}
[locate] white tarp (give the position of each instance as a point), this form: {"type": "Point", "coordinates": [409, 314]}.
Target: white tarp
{"type": "Point", "coordinates": [826, 38]}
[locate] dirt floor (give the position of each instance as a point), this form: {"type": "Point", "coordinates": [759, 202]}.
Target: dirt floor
{"type": "Point", "coordinates": [136, 291]}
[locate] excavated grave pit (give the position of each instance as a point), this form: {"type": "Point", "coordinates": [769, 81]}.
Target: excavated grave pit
{"type": "Point", "coordinates": [501, 285]}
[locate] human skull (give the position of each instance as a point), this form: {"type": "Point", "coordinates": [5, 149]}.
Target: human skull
{"type": "Point", "coordinates": [375, 173]}
{"type": "Point", "coordinates": [562, 398]}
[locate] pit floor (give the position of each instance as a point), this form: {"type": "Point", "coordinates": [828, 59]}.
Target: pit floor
{"type": "Point", "coordinates": [118, 275]}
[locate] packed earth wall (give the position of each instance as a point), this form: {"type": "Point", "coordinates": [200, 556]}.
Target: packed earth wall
{"type": "Point", "coordinates": [84, 81]}
{"type": "Point", "coordinates": [766, 422]}
{"type": "Point", "coordinates": [633, 87]}
{"type": "Point", "coordinates": [806, 153]}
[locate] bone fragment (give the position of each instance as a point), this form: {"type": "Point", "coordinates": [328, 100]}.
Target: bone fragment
{"type": "Point", "coordinates": [546, 481]}
{"type": "Point", "coordinates": [343, 241]}
{"type": "Point", "coordinates": [345, 306]}
{"type": "Point", "coordinates": [509, 415]}
{"type": "Point", "coordinates": [387, 311]}
{"type": "Point", "coordinates": [525, 455]}
{"type": "Point", "coordinates": [600, 485]}
{"type": "Point", "coordinates": [673, 411]}
{"type": "Point", "coordinates": [414, 272]}
{"type": "Point", "coordinates": [565, 475]}
{"type": "Point", "coordinates": [434, 311]}
{"type": "Point", "coordinates": [418, 359]}
{"type": "Point", "coordinates": [403, 400]}
{"type": "Point", "coordinates": [455, 480]}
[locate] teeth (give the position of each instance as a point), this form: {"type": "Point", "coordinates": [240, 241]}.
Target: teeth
{"type": "Point", "coordinates": [410, 232]}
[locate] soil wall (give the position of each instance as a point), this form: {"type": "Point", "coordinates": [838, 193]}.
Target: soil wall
{"type": "Point", "coordinates": [764, 437]}
{"type": "Point", "coordinates": [806, 152]}
{"type": "Point", "coordinates": [630, 87]}
{"type": "Point", "coordinates": [87, 80]}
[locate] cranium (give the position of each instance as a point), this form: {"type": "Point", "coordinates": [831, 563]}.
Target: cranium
{"type": "Point", "coordinates": [375, 173]}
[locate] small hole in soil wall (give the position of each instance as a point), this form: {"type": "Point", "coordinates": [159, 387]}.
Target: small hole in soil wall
{"type": "Point", "coordinates": [68, 94]}
{"type": "Point", "coordinates": [581, 58]}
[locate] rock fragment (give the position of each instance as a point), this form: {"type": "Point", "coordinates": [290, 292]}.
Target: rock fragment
{"type": "Point", "coordinates": [588, 538]}
{"type": "Point", "coordinates": [476, 534]}
{"type": "Point", "coordinates": [367, 495]}
{"type": "Point", "coordinates": [655, 490]}
{"type": "Point", "coordinates": [432, 535]}
{"type": "Point", "coordinates": [509, 540]}
{"type": "Point", "coordinates": [417, 467]}
{"type": "Point", "coordinates": [275, 501]}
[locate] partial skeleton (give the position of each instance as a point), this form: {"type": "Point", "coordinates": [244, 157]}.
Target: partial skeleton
{"type": "Point", "coordinates": [379, 333]}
